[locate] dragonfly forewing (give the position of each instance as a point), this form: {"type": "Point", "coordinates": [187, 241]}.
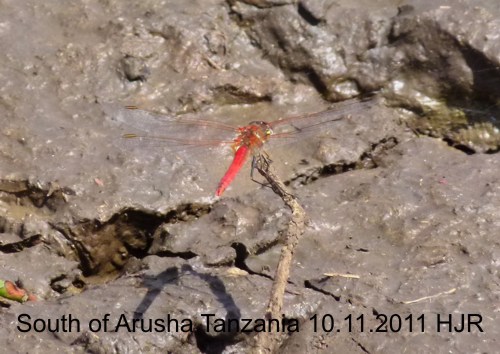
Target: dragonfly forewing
{"type": "Point", "coordinates": [314, 121]}
{"type": "Point", "coordinates": [293, 129]}
{"type": "Point", "coordinates": [140, 128]}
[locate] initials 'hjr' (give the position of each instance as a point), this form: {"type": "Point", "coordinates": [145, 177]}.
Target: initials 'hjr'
{"type": "Point", "coordinates": [459, 323]}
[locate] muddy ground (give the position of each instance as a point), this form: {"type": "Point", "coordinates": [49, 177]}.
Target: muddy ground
{"type": "Point", "coordinates": [402, 197]}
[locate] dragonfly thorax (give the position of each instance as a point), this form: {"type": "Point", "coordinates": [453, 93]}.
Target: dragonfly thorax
{"type": "Point", "coordinates": [253, 135]}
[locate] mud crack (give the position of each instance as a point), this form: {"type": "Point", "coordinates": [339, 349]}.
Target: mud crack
{"type": "Point", "coordinates": [36, 195]}
{"type": "Point", "coordinates": [360, 345]}
{"type": "Point", "coordinates": [367, 160]}
{"type": "Point", "coordinates": [242, 254]}
{"type": "Point", "coordinates": [15, 247]}
{"type": "Point", "coordinates": [230, 94]}
{"type": "Point", "coordinates": [309, 285]}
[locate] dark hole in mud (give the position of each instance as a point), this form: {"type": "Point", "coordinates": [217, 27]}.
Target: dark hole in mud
{"type": "Point", "coordinates": [307, 15]}
{"type": "Point", "coordinates": [55, 284]}
{"type": "Point", "coordinates": [464, 148]}
{"type": "Point", "coordinates": [135, 69]}
{"type": "Point", "coordinates": [317, 82]}
{"type": "Point", "coordinates": [241, 256]}
{"type": "Point", "coordinates": [78, 283]}
{"type": "Point", "coordinates": [106, 247]}
{"type": "Point", "coordinates": [134, 228]}
{"type": "Point", "coordinates": [184, 255]}
{"type": "Point", "coordinates": [212, 345]}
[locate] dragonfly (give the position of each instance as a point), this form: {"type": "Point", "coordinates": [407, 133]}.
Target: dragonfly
{"type": "Point", "coordinates": [183, 132]}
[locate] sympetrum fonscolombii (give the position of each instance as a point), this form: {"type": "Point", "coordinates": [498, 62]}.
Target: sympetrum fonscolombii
{"type": "Point", "coordinates": [180, 133]}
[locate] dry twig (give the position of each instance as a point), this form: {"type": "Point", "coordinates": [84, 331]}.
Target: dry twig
{"type": "Point", "coordinates": [342, 275]}
{"type": "Point", "coordinates": [451, 291]}
{"type": "Point", "coordinates": [267, 342]}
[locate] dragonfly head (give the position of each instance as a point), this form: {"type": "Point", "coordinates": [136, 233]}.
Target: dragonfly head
{"type": "Point", "coordinates": [264, 127]}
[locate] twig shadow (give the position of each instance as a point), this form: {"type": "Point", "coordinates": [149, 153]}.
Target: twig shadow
{"type": "Point", "coordinates": [156, 283]}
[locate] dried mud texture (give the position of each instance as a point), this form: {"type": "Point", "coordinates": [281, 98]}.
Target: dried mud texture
{"type": "Point", "coordinates": [402, 197]}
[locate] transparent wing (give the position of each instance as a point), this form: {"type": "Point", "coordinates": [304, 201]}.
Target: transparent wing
{"type": "Point", "coordinates": [289, 128]}
{"type": "Point", "coordinates": [175, 133]}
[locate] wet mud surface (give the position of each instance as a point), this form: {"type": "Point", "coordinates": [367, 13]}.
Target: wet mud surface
{"type": "Point", "coordinates": [402, 197]}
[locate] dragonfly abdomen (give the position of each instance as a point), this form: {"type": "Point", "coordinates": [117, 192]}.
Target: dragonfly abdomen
{"type": "Point", "coordinates": [239, 159]}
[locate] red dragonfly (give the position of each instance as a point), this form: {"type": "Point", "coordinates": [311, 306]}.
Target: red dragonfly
{"type": "Point", "coordinates": [182, 132]}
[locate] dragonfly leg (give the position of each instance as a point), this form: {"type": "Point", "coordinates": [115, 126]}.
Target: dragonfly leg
{"type": "Point", "coordinates": [260, 161]}
{"type": "Point", "coordinates": [254, 167]}
{"type": "Point", "coordinates": [255, 161]}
